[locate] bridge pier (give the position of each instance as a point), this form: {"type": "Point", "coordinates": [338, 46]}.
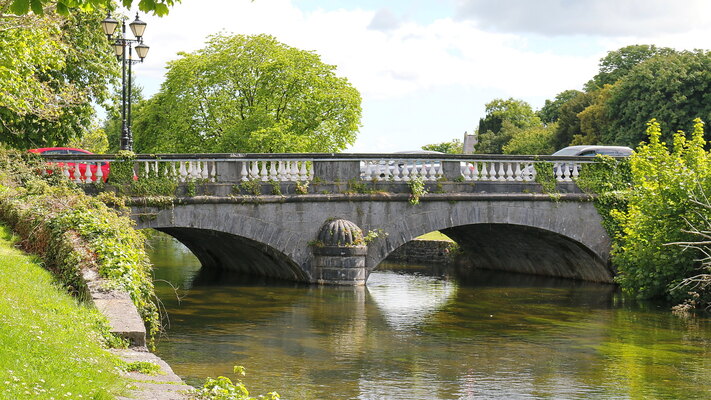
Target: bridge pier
{"type": "Point", "coordinates": [339, 254]}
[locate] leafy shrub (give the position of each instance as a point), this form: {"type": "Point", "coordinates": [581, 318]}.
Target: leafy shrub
{"type": "Point", "coordinates": [669, 188]}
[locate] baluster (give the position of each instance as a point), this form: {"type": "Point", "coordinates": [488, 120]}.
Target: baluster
{"type": "Point", "coordinates": [517, 172]}
{"type": "Point", "coordinates": [439, 171]}
{"type": "Point", "coordinates": [182, 172]}
{"type": "Point", "coordinates": [492, 171]}
{"type": "Point", "coordinates": [532, 177]}
{"type": "Point", "coordinates": [558, 171]}
{"type": "Point", "coordinates": [576, 172]}
{"type": "Point", "coordinates": [99, 173]}
{"type": "Point", "coordinates": [502, 172]}
{"type": "Point", "coordinates": [243, 172]}
{"type": "Point", "coordinates": [310, 169]}
{"type": "Point", "coordinates": [77, 173]}
{"type": "Point", "coordinates": [294, 170]}
{"type": "Point", "coordinates": [205, 171]}
{"type": "Point", "coordinates": [484, 171]}
{"type": "Point", "coordinates": [473, 171]}
{"type": "Point", "coordinates": [281, 172]}
{"type": "Point", "coordinates": [387, 172]}
{"type": "Point", "coordinates": [273, 174]}
{"type": "Point", "coordinates": [303, 171]}
{"type": "Point", "coordinates": [87, 173]}
{"type": "Point", "coordinates": [263, 173]}
{"type": "Point", "coordinates": [397, 170]}
{"type": "Point", "coordinates": [509, 172]}
{"type": "Point", "coordinates": [567, 172]}
{"type": "Point", "coordinates": [405, 172]}
{"type": "Point", "coordinates": [432, 172]}
{"type": "Point", "coordinates": [213, 171]}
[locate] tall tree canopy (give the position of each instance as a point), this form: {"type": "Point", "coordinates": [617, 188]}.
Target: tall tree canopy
{"type": "Point", "coordinates": [551, 109]}
{"type": "Point", "coordinates": [495, 129]}
{"type": "Point", "coordinates": [617, 64]}
{"type": "Point", "coordinates": [249, 94]}
{"type": "Point", "coordinates": [52, 68]}
{"type": "Point", "coordinates": [675, 89]}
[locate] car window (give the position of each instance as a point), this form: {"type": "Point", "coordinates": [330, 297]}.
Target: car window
{"type": "Point", "coordinates": [75, 152]}
{"type": "Point", "coordinates": [588, 153]}
{"type": "Point", "coordinates": [55, 152]}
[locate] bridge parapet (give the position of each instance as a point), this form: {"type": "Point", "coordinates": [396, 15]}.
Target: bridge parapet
{"type": "Point", "coordinates": [309, 167]}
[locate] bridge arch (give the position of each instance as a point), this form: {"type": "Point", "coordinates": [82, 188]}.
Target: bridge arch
{"type": "Point", "coordinates": [524, 232]}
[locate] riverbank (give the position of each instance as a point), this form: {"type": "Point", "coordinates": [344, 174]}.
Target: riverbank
{"type": "Point", "coordinates": [51, 343]}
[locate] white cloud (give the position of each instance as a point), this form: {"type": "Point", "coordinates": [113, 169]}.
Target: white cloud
{"type": "Point", "coordinates": [589, 17]}
{"type": "Point", "coordinates": [404, 63]}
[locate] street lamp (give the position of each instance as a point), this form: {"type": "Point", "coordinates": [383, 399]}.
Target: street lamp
{"type": "Point", "coordinates": [119, 44]}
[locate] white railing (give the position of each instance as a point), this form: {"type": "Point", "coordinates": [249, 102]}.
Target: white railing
{"type": "Point", "coordinates": [388, 169]}
{"type": "Point", "coordinates": [235, 168]}
{"type": "Point", "coordinates": [277, 170]}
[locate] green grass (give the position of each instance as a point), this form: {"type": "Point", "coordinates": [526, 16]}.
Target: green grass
{"type": "Point", "coordinates": [435, 235]}
{"type": "Point", "coordinates": [49, 343]}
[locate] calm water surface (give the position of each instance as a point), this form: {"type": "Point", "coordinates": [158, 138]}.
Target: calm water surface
{"type": "Point", "coordinates": [418, 333]}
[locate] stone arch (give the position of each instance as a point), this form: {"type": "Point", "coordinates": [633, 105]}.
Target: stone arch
{"type": "Point", "coordinates": [215, 249]}
{"type": "Point", "coordinates": [564, 239]}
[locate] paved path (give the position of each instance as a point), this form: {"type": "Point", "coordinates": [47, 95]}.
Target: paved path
{"type": "Point", "coordinates": [164, 386]}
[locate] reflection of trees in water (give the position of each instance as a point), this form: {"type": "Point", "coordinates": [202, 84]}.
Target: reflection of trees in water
{"type": "Point", "coordinates": [489, 335]}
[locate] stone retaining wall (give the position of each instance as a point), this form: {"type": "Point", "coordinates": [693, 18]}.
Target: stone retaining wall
{"type": "Point", "coordinates": [424, 251]}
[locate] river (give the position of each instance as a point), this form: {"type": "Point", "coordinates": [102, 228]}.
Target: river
{"type": "Point", "coordinates": [418, 332]}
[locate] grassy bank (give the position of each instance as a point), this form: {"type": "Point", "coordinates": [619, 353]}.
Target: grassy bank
{"type": "Point", "coordinates": [50, 343]}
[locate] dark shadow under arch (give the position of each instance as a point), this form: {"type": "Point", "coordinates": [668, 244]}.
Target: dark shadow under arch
{"type": "Point", "coordinates": [226, 251]}
{"type": "Point", "coordinates": [524, 249]}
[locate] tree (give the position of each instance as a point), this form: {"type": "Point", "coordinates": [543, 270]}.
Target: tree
{"type": "Point", "coordinates": [551, 109]}
{"type": "Point", "coordinates": [568, 121]}
{"type": "Point", "coordinates": [452, 147]}
{"type": "Point", "coordinates": [51, 70]}
{"type": "Point", "coordinates": [249, 94]}
{"type": "Point", "coordinates": [517, 113]}
{"type": "Point", "coordinates": [617, 64]}
{"type": "Point", "coordinates": [64, 7]}
{"type": "Point", "coordinates": [673, 88]}
{"type": "Point", "coordinates": [533, 140]}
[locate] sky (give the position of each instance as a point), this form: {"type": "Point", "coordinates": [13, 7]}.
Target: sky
{"type": "Point", "coordinates": [426, 68]}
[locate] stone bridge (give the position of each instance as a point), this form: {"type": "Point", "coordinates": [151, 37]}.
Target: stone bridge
{"type": "Point", "coordinates": [333, 218]}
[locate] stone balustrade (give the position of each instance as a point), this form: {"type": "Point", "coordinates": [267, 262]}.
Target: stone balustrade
{"type": "Point", "coordinates": [236, 168]}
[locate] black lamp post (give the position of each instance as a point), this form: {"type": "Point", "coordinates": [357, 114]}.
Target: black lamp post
{"type": "Point", "coordinates": [120, 43]}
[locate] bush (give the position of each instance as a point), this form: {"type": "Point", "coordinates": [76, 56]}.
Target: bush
{"type": "Point", "coordinates": [667, 200]}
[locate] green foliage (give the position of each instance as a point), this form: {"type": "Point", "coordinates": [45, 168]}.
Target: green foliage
{"type": "Point", "coordinates": [610, 180]}
{"type": "Point", "coordinates": [550, 111]}
{"type": "Point", "coordinates": [502, 117]}
{"type": "Point", "coordinates": [545, 176]}
{"type": "Point", "coordinates": [568, 121]}
{"type": "Point", "coordinates": [249, 94]}
{"type": "Point", "coordinates": [669, 189]}
{"type": "Point", "coordinates": [452, 147]}
{"type": "Point", "coordinates": [373, 235]}
{"type": "Point", "coordinates": [223, 388]}
{"type": "Point", "coordinates": [674, 89]}
{"type": "Point", "coordinates": [142, 367]}
{"type": "Point", "coordinates": [533, 140]}
{"type": "Point", "coordinates": [417, 190]}
{"type": "Point", "coordinates": [48, 340]}
{"type": "Point", "coordinates": [52, 68]}
{"type": "Point", "coordinates": [253, 187]}
{"type": "Point", "coordinates": [302, 187]}
{"type": "Point", "coordinates": [618, 63]}
{"type": "Point", "coordinates": [72, 231]}
{"type": "Point", "coordinates": [67, 7]}
{"type": "Point", "coordinates": [276, 187]}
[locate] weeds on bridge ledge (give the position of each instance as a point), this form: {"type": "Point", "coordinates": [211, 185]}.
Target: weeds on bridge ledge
{"type": "Point", "coordinates": [417, 190]}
